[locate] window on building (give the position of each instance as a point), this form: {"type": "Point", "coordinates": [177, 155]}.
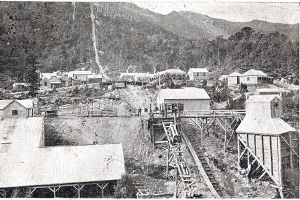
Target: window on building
{"type": "Point", "coordinates": [14, 112]}
{"type": "Point", "coordinates": [203, 74]}
{"type": "Point", "coordinates": [276, 105]}
{"type": "Point", "coordinates": [75, 77]}
{"type": "Point", "coordinates": [45, 83]}
{"type": "Point", "coordinates": [248, 78]}
{"type": "Point", "coordinates": [197, 74]}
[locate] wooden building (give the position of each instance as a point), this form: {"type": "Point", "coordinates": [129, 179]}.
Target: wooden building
{"type": "Point", "coordinates": [32, 165]}
{"type": "Point", "coordinates": [253, 77]}
{"type": "Point", "coordinates": [95, 78]}
{"type": "Point", "coordinates": [17, 108]}
{"type": "Point", "coordinates": [79, 77]}
{"type": "Point", "coordinates": [234, 78]}
{"type": "Point", "coordinates": [50, 82]}
{"type": "Point", "coordinates": [268, 146]}
{"type": "Point", "coordinates": [192, 98]}
{"type": "Point", "coordinates": [198, 74]}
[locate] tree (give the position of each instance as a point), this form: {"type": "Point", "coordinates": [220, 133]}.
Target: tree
{"type": "Point", "coordinates": [32, 76]}
{"type": "Point", "coordinates": [221, 92]}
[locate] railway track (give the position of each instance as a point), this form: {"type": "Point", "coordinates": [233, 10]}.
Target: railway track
{"type": "Point", "coordinates": [210, 180]}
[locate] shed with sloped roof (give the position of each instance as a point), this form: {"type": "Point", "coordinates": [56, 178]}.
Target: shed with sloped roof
{"type": "Point", "coordinates": [192, 98]}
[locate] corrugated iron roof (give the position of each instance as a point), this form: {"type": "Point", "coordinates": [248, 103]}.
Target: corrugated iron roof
{"type": "Point", "coordinates": [184, 93]}
{"type": "Point", "coordinates": [71, 73]}
{"type": "Point", "coordinates": [262, 98]}
{"type": "Point", "coordinates": [267, 90]}
{"type": "Point", "coordinates": [235, 74]}
{"type": "Point", "coordinates": [54, 80]}
{"type": "Point", "coordinates": [27, 164]}
{"type": "Point", "coordinates": [254, 72]}
{"type": "Point", "coordinates": [270, 126]}
{"type": "Point", "coordinates": [198, 70]}
{"type": "Point", "coordinates": [27, 103]}
{"type": "Point", "coordinates": [47, 75]}
{"type": "Point", "coordinates": [172, 71]}
{"type": "Point", "coordinates": [94, 76]}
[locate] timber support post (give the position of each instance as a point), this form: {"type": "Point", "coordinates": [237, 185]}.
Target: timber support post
{"type": "Point", "coordinates": [78, 188]}
{"type": "Point", "coordinates": [54, 189]}
{"type": "Point", "coordinates": [3, 193]}
{"type": "Point", "coordinates": [102, 186]}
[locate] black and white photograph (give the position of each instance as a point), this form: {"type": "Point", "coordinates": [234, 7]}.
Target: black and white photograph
{"type": "Point", "coordinates": [149, 99]}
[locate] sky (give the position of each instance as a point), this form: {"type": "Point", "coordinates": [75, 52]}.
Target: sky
{"type": "Point", "coordinates": [286, 12]}
{"type": "Point", "coordinates": [277, 11]}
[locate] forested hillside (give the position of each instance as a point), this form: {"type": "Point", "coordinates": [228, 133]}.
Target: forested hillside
{"type": "Point", "coordinates": [58, 36]}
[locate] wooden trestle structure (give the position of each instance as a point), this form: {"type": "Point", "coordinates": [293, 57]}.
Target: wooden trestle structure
{"type": "Point", "coordinates": [54, 188]}
{"type": "Point", "coordinates": [261, 152]}
{"type": "Point", "coordinates": [205, 120]}
{"type": "Point", "coordinates": [166, 128]}
{"type": "Point", "coordinates": [176, 157]}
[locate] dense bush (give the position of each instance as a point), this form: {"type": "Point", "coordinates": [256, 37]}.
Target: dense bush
{"type": "Point", "coordinates": [125, 188]}
{"type": "Point", "coordinates": [45, 36]}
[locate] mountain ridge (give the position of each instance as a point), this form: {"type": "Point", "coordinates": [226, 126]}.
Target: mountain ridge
{"type": "Point", "coordinates": [53, 36]}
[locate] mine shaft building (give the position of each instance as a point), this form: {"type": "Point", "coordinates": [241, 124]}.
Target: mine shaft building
{"type": "Point", "coordinates": [268, 146]}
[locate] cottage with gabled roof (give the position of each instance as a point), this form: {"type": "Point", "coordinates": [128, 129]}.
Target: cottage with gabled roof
{"type": "Point", "coordinates": [51, 82]}
{"type": "Point", "coordinates": [16, 108]}
{"type": "Point", "coordinates": [252, 77]}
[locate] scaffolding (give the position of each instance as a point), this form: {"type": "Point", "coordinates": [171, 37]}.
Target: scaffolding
{"type": "Point", "coordinates": [206, 120]}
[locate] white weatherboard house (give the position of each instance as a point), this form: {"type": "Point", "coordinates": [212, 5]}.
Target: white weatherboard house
{"type": "Point", "coordinates": [95, 78]}
{"type": "Point", "coordinates": [251, 77]}
{"type": "Point", "coordinates": [51, 82]}
{"type": "Point", "coordinates": [16, 108]}
{"type": "Point", "coordinates": [191, 98]}
{"type": "Point", "coordinates": [198, 74]}
{"type": "Point", "coordinates": [131, 77]}
{"type": "Point", "coordinates": [270, 141]}
{"type": "Point", "coordinates": [79, 77]}
{"type": "Point", "coordinates": [254, 77]}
